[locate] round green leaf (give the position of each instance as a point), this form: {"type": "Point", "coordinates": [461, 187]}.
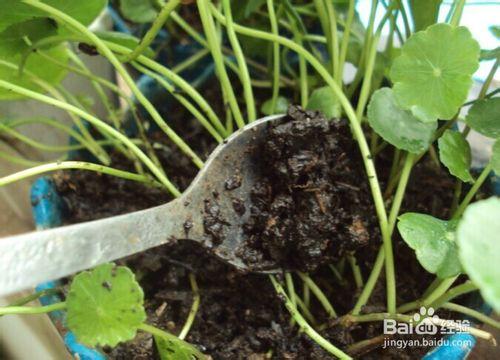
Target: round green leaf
{"type": "Point", "coordinates": [455, 154]}
{"type": "Point", "coordinates": [139, 11]}
{"type": "Point", "coordinates": [478, 236]}
{"type": "Point", "coordinates": [484, 117]}
{"type": "Point", "coordinates": [105, 305]}
{"type": "Point", "coordinates": [324, 100]}
{"type": "Point", "coordinates": [280, 108]}
{"type": "Point", "coordinates": [433, 74]}
{"type": "Point", "coordinates": [433, 241]}
{"type": "Point", "coordinates": [397, 126]}
{"type": "Point", "coordinates": [495, 157]}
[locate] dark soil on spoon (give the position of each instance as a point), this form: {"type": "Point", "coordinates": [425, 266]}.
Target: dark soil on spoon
{"type": "Point", "coordinates": [240, 316]}
{"type": "Point", "coordinates": [314, 204]}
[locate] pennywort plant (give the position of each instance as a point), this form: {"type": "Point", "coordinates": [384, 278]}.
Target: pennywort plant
{"type": "Point", "coordinates": [406, 97]}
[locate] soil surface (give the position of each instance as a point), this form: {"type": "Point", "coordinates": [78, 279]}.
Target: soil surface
{"type": "Point", "coordinates": [317, 193]}
{"type": "Point", "coordinates": [313, 205]}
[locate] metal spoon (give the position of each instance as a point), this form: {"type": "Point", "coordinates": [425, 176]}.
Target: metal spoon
{"type": "Point", "coordinates": [212, 212]}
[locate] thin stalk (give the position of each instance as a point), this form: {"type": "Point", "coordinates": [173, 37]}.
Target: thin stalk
{"type": "Point", "coordinates": [185, 102]}
{"type": "Point", "coordinates": [105, 50]}
{"type": "Point", "coordinates": [322, 15]}
{"type": "Point", "coordinates": [321, 341]}
{"type": "Point", "coordinates": [305, 310]}
{"type": "Point", "coordinates": [304, 88]}
{"type": "Point", "coordinates": [319, 294]}
{"type": "Point", "coordinates": [489, 79]}
{"type": "Point", "coordinates": [367, 80]}
{"type": "Point", "coordinates": [356, 271]}
{"type": "Point", "coordinates": [17, 310]}
{"type": "Point", "coordinates": [440, 289]}
{"type": "Point", "coordinates": [180, 82]}
{"type": "Point", "coordinates": [190, 61]}
{"type": "Point", "coordinates": [202, 41]}
{"type": "Point", "coordinates": [81, 165]}
{"type": "Point", "coordinates": [457, 13]}
{"type": "Point", "coordinates": [358, 133]}
{"type": "Point", "coordinates": [400, 191]}
{"type": "Point", "coordinates": [334, 55]}
{"type": "Point", "coordinates": [215, 47]}
{"type": "Point", "coordinates": [98, 124]}
{"type": "Point", "coordinates": [276, 55]}
{"type": "Point", "coordinates": [22, 161]}
{"type": "Point", "coordinates": [240, 60]}
{"type": "Point", "coordinates": [472, 313]}
{"type": "Point", "coordinates": [345, 40]}
{"type": "Point", "coordinates": [453, 293]}
{"type": "Point", "coordinates": [291, 292]}
{"type": "Point", "coordinates": [32, 297]}
{"type": "Point", "coordinates": [472, 192]}
{"type": "Point", "coordinates": [370, 283]}
{"type": "Point", "coordinates": [406, 23]}
{"type": "Point", "coordinates": [155, 28]}
{"type": "Point", "coordinates": [194, 307]}
{"type": "Point", "coordinates": [93, 147]}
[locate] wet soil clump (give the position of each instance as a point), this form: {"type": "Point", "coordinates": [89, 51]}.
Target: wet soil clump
{"type": "Point", "coordinates": [313, 204]}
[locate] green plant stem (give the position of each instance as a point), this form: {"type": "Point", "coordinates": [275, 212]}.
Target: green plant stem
{"type": "Point", "coordinates": [305, 310]}
{"type": "Point", "coordinates": [34, 296]}
{"type": "Point", "coordinates": [177, 81]}
{"type": "Point", "coordinates": [93, 147]}
{"type": "Point", "coordinates": [405, 18]}
{"type": "Point", "coordinates": [400, 191]}
{"type": "Point", "coordinates": [367, 80]}
{"type": "Point", "coordinates": [375, 317]}
{"type": "Point", "coordinates": [22, 161]}
{"type": "Point", "coordinates": [325, 344]}
{"type": "Point", "coordinates": [472, 313]}
{"type": "Point", "coordinates": [457, 13]}
{"type": "Point", "coordinates": [15, 310]}
{"type": "Point", "coordinates": [356, 271]}
{"type": "Point", "coordinates": [185, 102]}
{"type": "Point", "coordinates": [202, 41]}
{"type": "Point", "coordinates": [98, 124]}
{"type": "Point", "coordinates": [396, 206]}
{"type": "Point", "coordinates": [306, 294]}
{"type": "Point", "coordinates": [304, 88]}
{"type": "Point", "coordinates": [291, 292]}
{"type": "Point", "coordinates": [489, 79]}
{"type": "Point", "coordinates": [334, 55]}
{"type": "Point", "coordinates": [155, 28]}
{"type": "Point", "coordinates": [439, 290]}
{"type": "Point", "coordinates": [370, 283]}
{"type": "Point", "coordinates": [319, 294]}
{"type": "Point", "coordinates": [276, 54]}
{"type": "Point", "coordinates": [215, 48]}
{"type": "Point", "coordinates": [362, 143]}
{"type": "Point", "coordinates": [64, 165]}
{"type": "Point", "coordinates": [104, 49]}
{"type": "Point", "coordinates": [451, 294]}
{"type": "Point", "coordinates": [240, 60]}
{"type": "Point", "coordinates": [190, 61]}
{"type": "Point", "coordinates": [473, 190]}
{"type": "Point", "coordinates": [345, 40]}
{"type": "Point", "coordinates": [194, 307]}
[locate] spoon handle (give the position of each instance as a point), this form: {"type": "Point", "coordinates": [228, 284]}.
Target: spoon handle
{"type": "Point", "coordinates": [29, 259]}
